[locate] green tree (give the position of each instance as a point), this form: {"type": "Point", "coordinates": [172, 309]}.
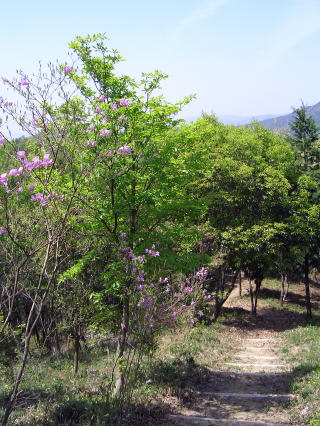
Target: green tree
{"type": "Point", "coordinates": [305, 140]}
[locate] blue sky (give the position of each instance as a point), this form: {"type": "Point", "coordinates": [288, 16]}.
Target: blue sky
{"type": "Point", "coordinates": [241, 57]}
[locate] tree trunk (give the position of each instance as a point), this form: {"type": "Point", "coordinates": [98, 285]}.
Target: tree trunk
{"type": "Point", "coordinates": [120, 373]}
{"type": "Point", "coordinates": [307, 287]}
{"type": "Point", "coordinates": [240, 285]}
{"type": "Point", "coordinates": [254, 295]}
{"type": "Point", "coordinates": [14, 392]}
{"type": "Point", "coordinates": [282, 290]}
{"type": "Point", "coordinates": [286, 287]}
{"type": "Point", "coordinates": [251, 294]}
{"type": "Point", "coordinates": [76, 354]}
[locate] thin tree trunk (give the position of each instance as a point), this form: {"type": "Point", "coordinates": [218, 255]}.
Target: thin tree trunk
{"type": "Point", "coordinates": [254, 295]}
{"type": "Point", "coordinates": [286, 288]}
{"type": "Point", "coordinates": [14, 392]}
{"type": "Point", "coordinates": [251, 294]}
{"type": "Point", "coordinates": [120, 373]}
{"type": "Point", "coordinates": [76, 354]}
{"type": "Point", "coordinates": [240, 285]}
{"type": "Point", "coordinates": [307, 287]}
{"type": "Point", "coordinates": [282, 290]}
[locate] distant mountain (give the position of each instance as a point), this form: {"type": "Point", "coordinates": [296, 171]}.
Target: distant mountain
{"type": "Point", "coordinates": [240, 120]}
{"type": "Point", "coordinates": [283, 121]}
{"type": "Point", "coordinates": [237, 120]}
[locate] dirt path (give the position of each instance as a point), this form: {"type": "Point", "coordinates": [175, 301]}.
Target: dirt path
{"type": "Point", "coordinates": [252, 387]}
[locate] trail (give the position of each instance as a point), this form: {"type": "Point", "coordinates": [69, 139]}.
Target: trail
{"type": "Point", "coordinates": [252, 387]}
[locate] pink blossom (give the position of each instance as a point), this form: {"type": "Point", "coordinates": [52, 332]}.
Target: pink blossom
{"type": "Point", "coordinates": [20, 189]}
{"type": "Point", "coordinates": [2, 230]}
{"type": "Point", "coordinates": [35, 122]}
{"type": "Point", "coordinates": [90, 127]}
{"type": "Point", "coordinates": [28, 165]}
{"type": "Point", "coordinates": [3, 179]}
{"type": "Point", "coordinates": [109, 154]}
{"type": "Point", "coordinates": [61, 197]}
{"type": "Point", "coordinates": [201, 314]}
{"type": "Point", "coordinates": [1, 140]}
{"type": "Point", "coordinates": [105, 132]}
{"type": "Point", "coordinates": [44, 203]}
{"type": "Point", "coordinates": [47, 161]}
{"type": "Point", "coordinates": [123, 235]}
{"type": "Point", "coordinates": [124, 102]}
{"type": "Point", "coordinates": [13, 172]}
{"type": "Point", "coordinates": [141, 287]}
{"type": "Point", "coordinates": [24, 82]}
{"type": "Point", "coordinates": [36, 162]}
{"type": "Point", "coordinates": [114, 107]}
{"type": "Point", "coordinates": [21, 155]}
{"type": "Point", "coordinates": [102, 98]}
{"type": "Point", "coordinates": [67, 69]}
{"type": "Point", "coordinates": [124, 149]}
{"type": "Point", "coordinates": [91, 143]}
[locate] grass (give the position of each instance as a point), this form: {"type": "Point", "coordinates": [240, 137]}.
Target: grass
{"type": "Point", "coordinates": [182, 361]}
{"type": "Point", "coordinates": [52, 395]}
{"type": "Point", "coordinates": [303, 351]}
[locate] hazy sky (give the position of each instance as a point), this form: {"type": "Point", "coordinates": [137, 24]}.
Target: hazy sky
{"type": "Point", "coordinates": [243, 57]}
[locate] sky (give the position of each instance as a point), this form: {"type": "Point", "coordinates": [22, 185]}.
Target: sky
{"type": "Point", "coordinates": [240, 57]}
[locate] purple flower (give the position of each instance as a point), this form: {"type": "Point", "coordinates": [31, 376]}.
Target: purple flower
{"type": "Point", "coordinates": [141, 287]}
{"type": "Point", "coordinates": [13, 172]}
{"type": "Point", "coordinates": [105, 132]}
{"type": "Point", "coordinates": [124, 149]}
{"type": "Point", "coordinates": [2, 230]}
{"type": "Point", "coordinates": [124, 102]}
{"type": "Point", "coordinates": [28, 165]}
{"type": "Point", "coordinates": [91, 143]}
{"type": "Point", "coordinates": [47, 161]}
{"type": "Point", "coordinates": [21, 155]}
{"type": "Point", "coordinates": [1, 140]}
{"type": "Point", "coordinates": [31, 187]}
{"type": "Point", "coordinates": [34, 122]}
{"type": "Point", "coordinates": [121, 118]}
{"type": "Point", "coordinates": [201, 314]}
{"type": "Point", "coordinates": [102, 98]}
{"type": "Point", "coordinates": [24, 81]}
{"type": "Point", "coordinates": [90, 127]}
{"type": "Point", "coordinates": [36, 162]}
{"type": "Point", "coordinates": [20, 189]}
{"type": "Point", "coordinates": [109, 154]}
{"type": "Point", "coordinates": [123, 235]}
{"type": "Point", "coordinates": [67, 69]}
{"type": "Point", "coordinates": [61, 197]}
{"type": "Point", "coordinates": [44, 203]}
{"type": "Point", "coordinates": [114, 107]}
{"type": "Point", "coordinates": [3, 179]}
{"type": "Point", "coordinates": [98, 111]}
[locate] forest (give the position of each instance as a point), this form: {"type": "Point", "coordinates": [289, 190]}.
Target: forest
{"type": "Point", "coordinates": [121, 224]}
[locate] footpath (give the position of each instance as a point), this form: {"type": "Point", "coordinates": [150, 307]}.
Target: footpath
{"type": "Point", "coordinates": [251, 388]}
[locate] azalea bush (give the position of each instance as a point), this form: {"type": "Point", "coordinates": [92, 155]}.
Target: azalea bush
{"type": "Point", "coordinates": [103, 161]}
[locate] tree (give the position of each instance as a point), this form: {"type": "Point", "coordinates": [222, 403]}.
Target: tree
{"type": "Point", "coordinates": [305, 137]}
